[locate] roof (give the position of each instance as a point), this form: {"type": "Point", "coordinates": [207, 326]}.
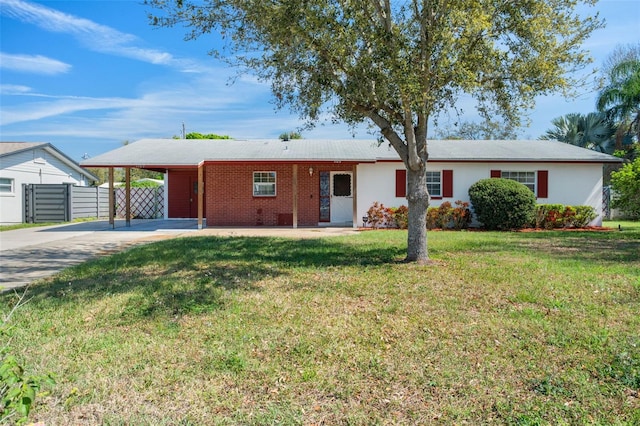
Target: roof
{"type": "Point", "coordinates": [7, 148]}
{"type": "Point", "coordinates": [12, 148]}
{"type": "Point", "coordinates": [150, 153]}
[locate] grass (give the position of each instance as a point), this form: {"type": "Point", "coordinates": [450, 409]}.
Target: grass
{"type": "Point", "coordinates": [509, 328]}
{"type": "Point", "coordinates": [25, 225]}
{"type": "Point", "coordinates": [15, 226]}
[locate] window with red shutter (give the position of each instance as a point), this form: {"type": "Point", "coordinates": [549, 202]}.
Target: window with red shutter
{"type": "Point", "coordinates": [401, 183]}
{"type": "Point", "coordinates": [447, 183]}
{"type": "Point", "coordinates": [543, 183]}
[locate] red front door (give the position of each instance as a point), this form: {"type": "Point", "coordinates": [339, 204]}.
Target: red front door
{"type": "Point", "coordinates": [183, 194]}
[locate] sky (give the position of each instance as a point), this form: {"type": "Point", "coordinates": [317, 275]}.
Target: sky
{"type": "Point", "coordinates": [88, 75]}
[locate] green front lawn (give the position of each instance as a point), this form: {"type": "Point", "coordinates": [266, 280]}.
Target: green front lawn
{"type": "Point", "coordinates": [508, 328]}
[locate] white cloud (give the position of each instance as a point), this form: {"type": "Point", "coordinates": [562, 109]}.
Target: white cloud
{"type": "Point", "coordinates": [14, 89]}
{"type": "Point", "coordinates": [59, 106]}
{"type": "Point", "coordinates": [35, 64]}
{"type": "Point", "coordinates": [159, 106]}
{"type": "Point", "coordinates": [99, 38]}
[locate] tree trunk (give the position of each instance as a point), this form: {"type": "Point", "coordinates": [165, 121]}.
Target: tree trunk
{"type": "Point", "coordinates": [418, 200]}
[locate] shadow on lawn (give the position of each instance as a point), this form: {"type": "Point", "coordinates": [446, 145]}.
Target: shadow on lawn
{"type": "Point", "coordinates": [192, 275]}
{"type": "Point", "coordinates": [609, 247]}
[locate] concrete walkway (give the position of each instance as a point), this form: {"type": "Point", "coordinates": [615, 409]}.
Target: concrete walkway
{"type": "Point", "coordinates": [30, 254]}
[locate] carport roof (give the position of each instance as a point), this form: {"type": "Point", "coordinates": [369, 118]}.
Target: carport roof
{"type": "Point", "coordinates": [165, 153]}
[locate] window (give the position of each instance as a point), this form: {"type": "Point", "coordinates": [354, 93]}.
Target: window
{"type": "Point", "coordinates": [264, 184]}
{"type": "Point", "coordinates": [6, 186]}
{"type": "Point", "coordinates": [528, 179]}
{"type": "Point", "coordinates": [342, 185]}
{"type": "Point", "coordinates": [434, 184]}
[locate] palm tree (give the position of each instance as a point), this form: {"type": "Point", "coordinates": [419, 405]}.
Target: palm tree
{"type": "Point", "coordinates": [620, 99]}
{"type": "Point", "coordinates": [593, 131]}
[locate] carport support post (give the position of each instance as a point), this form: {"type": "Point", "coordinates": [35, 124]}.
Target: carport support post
{"type": "Point", "coordinates": [295, 196]}
{"type": "Point", "coordinates": [200, 194]}
{"type": "Point", "coordinates": [354, 193]}
{"type": "Point", "coordinates": [112, 201]}
{"type": "Point", "coordinates": [127, 185]}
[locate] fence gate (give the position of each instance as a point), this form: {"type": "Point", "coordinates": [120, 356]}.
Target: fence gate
{"type": "Point", "coordinates": [65, 202]}
{"type": "Point", "coordinates": [47, 203]}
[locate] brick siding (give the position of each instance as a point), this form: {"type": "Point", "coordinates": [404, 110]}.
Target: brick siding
{"type": "Point", "coordinates": [230, 202]}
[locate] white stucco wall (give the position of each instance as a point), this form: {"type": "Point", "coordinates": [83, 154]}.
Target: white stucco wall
{"type": "Point", "coordinates": [27, 167]}
{"type": "Point", "coordinates": [569, 183]}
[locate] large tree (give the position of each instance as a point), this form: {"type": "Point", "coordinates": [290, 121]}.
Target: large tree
{"type": "Point", "coordinates": [396, 64]}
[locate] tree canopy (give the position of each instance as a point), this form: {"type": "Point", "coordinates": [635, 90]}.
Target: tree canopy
{"type": "Point", "coordinates": [290, 136]}
{"type": "Point", "coordinates": [620, 98]}
{"type": "Point", "coordinates": [196, 135]}
{"type": "Point", "coordinates": [626, 185]}
{"type": "Point", "coordinates": [592, 131]}
{"type": "Point", "coordinates": [469, 130]}
{"type": "Point", "coordinates": [396, 64]}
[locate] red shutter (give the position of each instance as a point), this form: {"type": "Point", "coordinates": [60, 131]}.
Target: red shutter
{"type": "Point", "coordinates": [401, 183]}
{"type": "Point", "coordinates": [543, 183]}
{"type": "Point", "coordinates": [447, 183]}
{"type": "Point", "coordinates": [496, 173]}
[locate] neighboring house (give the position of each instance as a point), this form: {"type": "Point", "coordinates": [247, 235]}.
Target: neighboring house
{"type": "Point", "coordinates": [334, 182]}
{"type": "Point", "coordinates": [33, 163]}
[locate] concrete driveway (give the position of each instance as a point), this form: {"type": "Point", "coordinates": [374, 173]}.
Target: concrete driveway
{"type": "Point", "coordinates": [30, 254]}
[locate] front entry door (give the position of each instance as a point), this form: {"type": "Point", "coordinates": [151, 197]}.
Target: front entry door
{"type": "Point", "coordinates": [342, 198]}
{"type": "Point", "coordinates": [183, 194]}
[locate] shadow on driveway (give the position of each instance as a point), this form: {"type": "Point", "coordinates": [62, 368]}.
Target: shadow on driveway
{"type": "Point", "coordinates": [29, 254]}
{"type": "Point", "coordinates": [137, 225]}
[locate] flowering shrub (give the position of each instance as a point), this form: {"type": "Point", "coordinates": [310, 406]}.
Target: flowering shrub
{"type": "Point", "coordinates": [549, 216]}
{"type": "Point", "coordinates": [379, 216]}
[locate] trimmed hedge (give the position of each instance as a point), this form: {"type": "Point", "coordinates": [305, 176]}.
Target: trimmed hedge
{"type": "Point", "coordinates": [502, 203]}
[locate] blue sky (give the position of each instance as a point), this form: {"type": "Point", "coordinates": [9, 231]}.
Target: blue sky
{"type": "Point", "coordinates": [88, 75]}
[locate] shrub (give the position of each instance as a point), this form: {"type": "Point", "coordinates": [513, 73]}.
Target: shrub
{"type": "Point", "coordinates": [626, 187]}
{"type": "Point", "coordinates": [401, 217]}
{"type": "Point", "coordinates": [552, 216]}
{"type": "Point", "coordinates": [432, 217]}
{"type": "Point", "coordinates": [540, 215]}
{"type": "Point", "coordinates": [461, 215]}
{"type": "Point", "coordinates": [379, 216]}
{"type": "Point", "coordinates": [502, 203]}
{"type": "Point", "coordinates": [549, 216]}
{"type": "Point", "coordinates": [445, 215]}
{"type": "Point", "coordinates": [584, 215]}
